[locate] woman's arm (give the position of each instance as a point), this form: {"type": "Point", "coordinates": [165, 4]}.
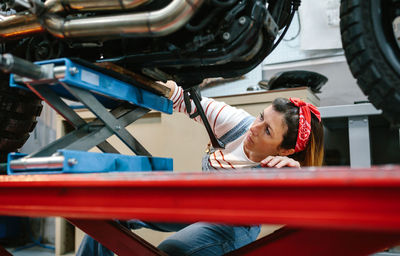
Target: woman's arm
{"type": "Point", "coordinates": [221, 116]}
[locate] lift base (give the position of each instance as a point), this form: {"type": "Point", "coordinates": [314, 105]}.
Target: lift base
{"type": "Point", "coordinates": [70, 161]}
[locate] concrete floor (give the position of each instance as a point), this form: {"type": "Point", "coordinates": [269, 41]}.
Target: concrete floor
{"type": "Point", "coordinates": [31, 251]}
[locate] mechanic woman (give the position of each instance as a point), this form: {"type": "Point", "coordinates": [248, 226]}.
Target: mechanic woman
{"type": "Point", "coordinates": [288, 133]}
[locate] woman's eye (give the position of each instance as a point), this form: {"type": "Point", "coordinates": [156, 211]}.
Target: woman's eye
{"type": "Point", "coordinates": [261, 116]}
{"type": "Point", "coordinates": [267, 131]}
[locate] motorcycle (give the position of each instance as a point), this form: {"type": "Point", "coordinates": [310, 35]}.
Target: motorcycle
{"type": "Point", "coordinates": [186, 41]}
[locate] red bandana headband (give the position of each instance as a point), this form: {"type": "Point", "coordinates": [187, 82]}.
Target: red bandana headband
{"type": "Point", "coordinates": [305, 110]}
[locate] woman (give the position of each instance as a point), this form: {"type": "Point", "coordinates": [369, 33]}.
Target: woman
{"type": "Point", "coordinates": [266, 140]}
{"type": "Point", "coordinates": [287, 134]}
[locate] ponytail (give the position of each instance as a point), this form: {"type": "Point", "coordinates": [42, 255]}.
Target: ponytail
{"type": "Point", "coordinates": [313, 153]}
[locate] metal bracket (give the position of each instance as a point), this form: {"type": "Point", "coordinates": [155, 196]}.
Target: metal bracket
{"type": "Point", "coordinates": [270, 24]}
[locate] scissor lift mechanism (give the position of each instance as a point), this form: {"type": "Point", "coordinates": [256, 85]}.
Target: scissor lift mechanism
{"type": "Point", "coordinates": [327, 211]}
{"type": "Point", "coordinates": [98, 89]}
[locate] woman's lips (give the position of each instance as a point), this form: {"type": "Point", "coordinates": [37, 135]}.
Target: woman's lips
{"type": "Point", "coordinates": [249, 138]}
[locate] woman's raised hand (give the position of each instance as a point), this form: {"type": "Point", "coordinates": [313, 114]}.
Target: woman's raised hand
{"type": "Point", "coordinates": [171, 85]}
{"type": "Point", "coordinates": [279, 162]}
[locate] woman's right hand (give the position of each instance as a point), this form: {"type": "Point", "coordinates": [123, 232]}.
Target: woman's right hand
{"type": "Point", "coordinates": [171, 85]}
{"type": "Point", "coordinates": [279, 162]}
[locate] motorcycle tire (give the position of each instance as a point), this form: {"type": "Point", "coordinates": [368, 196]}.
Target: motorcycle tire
{"type": "Point", "coordinates": [18, 111]}
{"type": "Point", "coordinates": [372, 52]}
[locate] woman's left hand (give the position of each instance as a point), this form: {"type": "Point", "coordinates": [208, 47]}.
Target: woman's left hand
{"type": "Point", "coordinates": [279, 162]}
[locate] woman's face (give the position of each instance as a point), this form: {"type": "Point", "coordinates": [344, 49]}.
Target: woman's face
{"type": "Point", "coordinates": [266, 135]}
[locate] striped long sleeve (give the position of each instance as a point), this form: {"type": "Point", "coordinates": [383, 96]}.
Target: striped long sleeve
{"type": "Point", "coordinates": [221, 116]}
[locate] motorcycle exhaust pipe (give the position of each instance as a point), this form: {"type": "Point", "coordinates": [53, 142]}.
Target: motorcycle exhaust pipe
{"type": "Point", "coordinates": [55, 6]}
{"type": "Point", "coordinates": [151, 24]}
{"type": "Point", "coordinates": [18, 25]}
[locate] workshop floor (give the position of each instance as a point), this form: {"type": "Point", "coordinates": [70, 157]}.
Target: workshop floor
{"type": "Point", "coordinates": [32, 251]}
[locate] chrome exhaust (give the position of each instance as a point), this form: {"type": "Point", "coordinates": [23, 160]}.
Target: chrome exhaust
{"type": "Point", "coordinates": [55, 6]}
{"type": "Point", "coordinates": [152, 24]}
{"type": "Point", "coordinates": [156, 23]}
{"type": "Point", "coordinates": [18, 25]}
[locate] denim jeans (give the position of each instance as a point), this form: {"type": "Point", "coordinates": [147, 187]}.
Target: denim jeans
{"type": "Point", "coordinates": [198, 239]}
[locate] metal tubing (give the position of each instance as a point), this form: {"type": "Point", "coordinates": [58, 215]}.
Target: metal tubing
{"type": "Point", "coordinates": [152, 24]}
{"type": "Point", "coordinates": [51, 162]}
{"type": "Point", "coordinates": [18, 25]}
{"type": "Point", "coordinates": [58, 72]}
{"type": "Point", "coordinates": [21, 67]}
{"type": "Point", "coordinates": [54, 6]}
{"type": "Point", "coordinates": [156, 23]}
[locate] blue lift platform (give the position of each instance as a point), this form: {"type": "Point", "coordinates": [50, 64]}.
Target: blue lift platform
{"type": "Point", "coordinates": [116, 100]}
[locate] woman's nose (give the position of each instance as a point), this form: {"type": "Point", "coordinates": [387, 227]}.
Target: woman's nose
{"type": "Point", "coordinates": [255, 128]}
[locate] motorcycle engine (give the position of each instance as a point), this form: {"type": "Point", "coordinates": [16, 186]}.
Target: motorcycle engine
{"type": "Point", "coordinates": [186, 41]}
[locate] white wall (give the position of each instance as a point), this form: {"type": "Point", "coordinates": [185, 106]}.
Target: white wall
{"type": "Point", "coordinates": [237, 87]}
{"type": "Point", "coordinates": [44, 132]}
{"type": "Point", "coordinates": [341, 88]}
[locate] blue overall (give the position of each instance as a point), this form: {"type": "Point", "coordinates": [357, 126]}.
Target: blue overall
{"type": "Point", "coordinates": [197, 239]}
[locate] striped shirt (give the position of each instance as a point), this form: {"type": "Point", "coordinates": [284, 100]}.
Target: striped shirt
{"type": "Point", "coordinates": [226, 122]}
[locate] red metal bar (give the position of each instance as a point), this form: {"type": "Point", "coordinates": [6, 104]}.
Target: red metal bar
{"type": "Point", "coordinates": [329, 198]}
{"type": "Point", "coordinates": [327, 242]}
{"type": "Point", "coordinates": [116, 237]}
{"type": "Point", "coordinates": [4, 252]}
{"type": "Point", "coordinates": [335, 211]}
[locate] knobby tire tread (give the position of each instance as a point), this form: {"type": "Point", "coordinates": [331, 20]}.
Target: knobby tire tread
{"type": "Point", "coordinates": [374, 74]}
{"type": "Point", "coordinates": [18, 112]}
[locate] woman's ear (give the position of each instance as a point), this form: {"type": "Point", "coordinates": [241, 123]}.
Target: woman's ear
{"type": "Point", "coordinates": [286, 152]}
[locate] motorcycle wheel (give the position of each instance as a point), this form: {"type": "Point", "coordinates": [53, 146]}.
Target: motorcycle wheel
{"type": "Point", "coordinates": [18, 112]}
{"type": "Point", "coordinates": [372, 52]}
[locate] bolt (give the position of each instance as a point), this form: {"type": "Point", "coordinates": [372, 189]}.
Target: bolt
{"type": "Point", "coordinates": [73, 71]}
{"type": "Point", "coordinates": [242, 20]}
{"type": "Point", "coordinates": [226, 36]}
{"type": "Point", "coordinates": [117, 127]}
{"type": "Point", "coordinates": [72, 161]}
